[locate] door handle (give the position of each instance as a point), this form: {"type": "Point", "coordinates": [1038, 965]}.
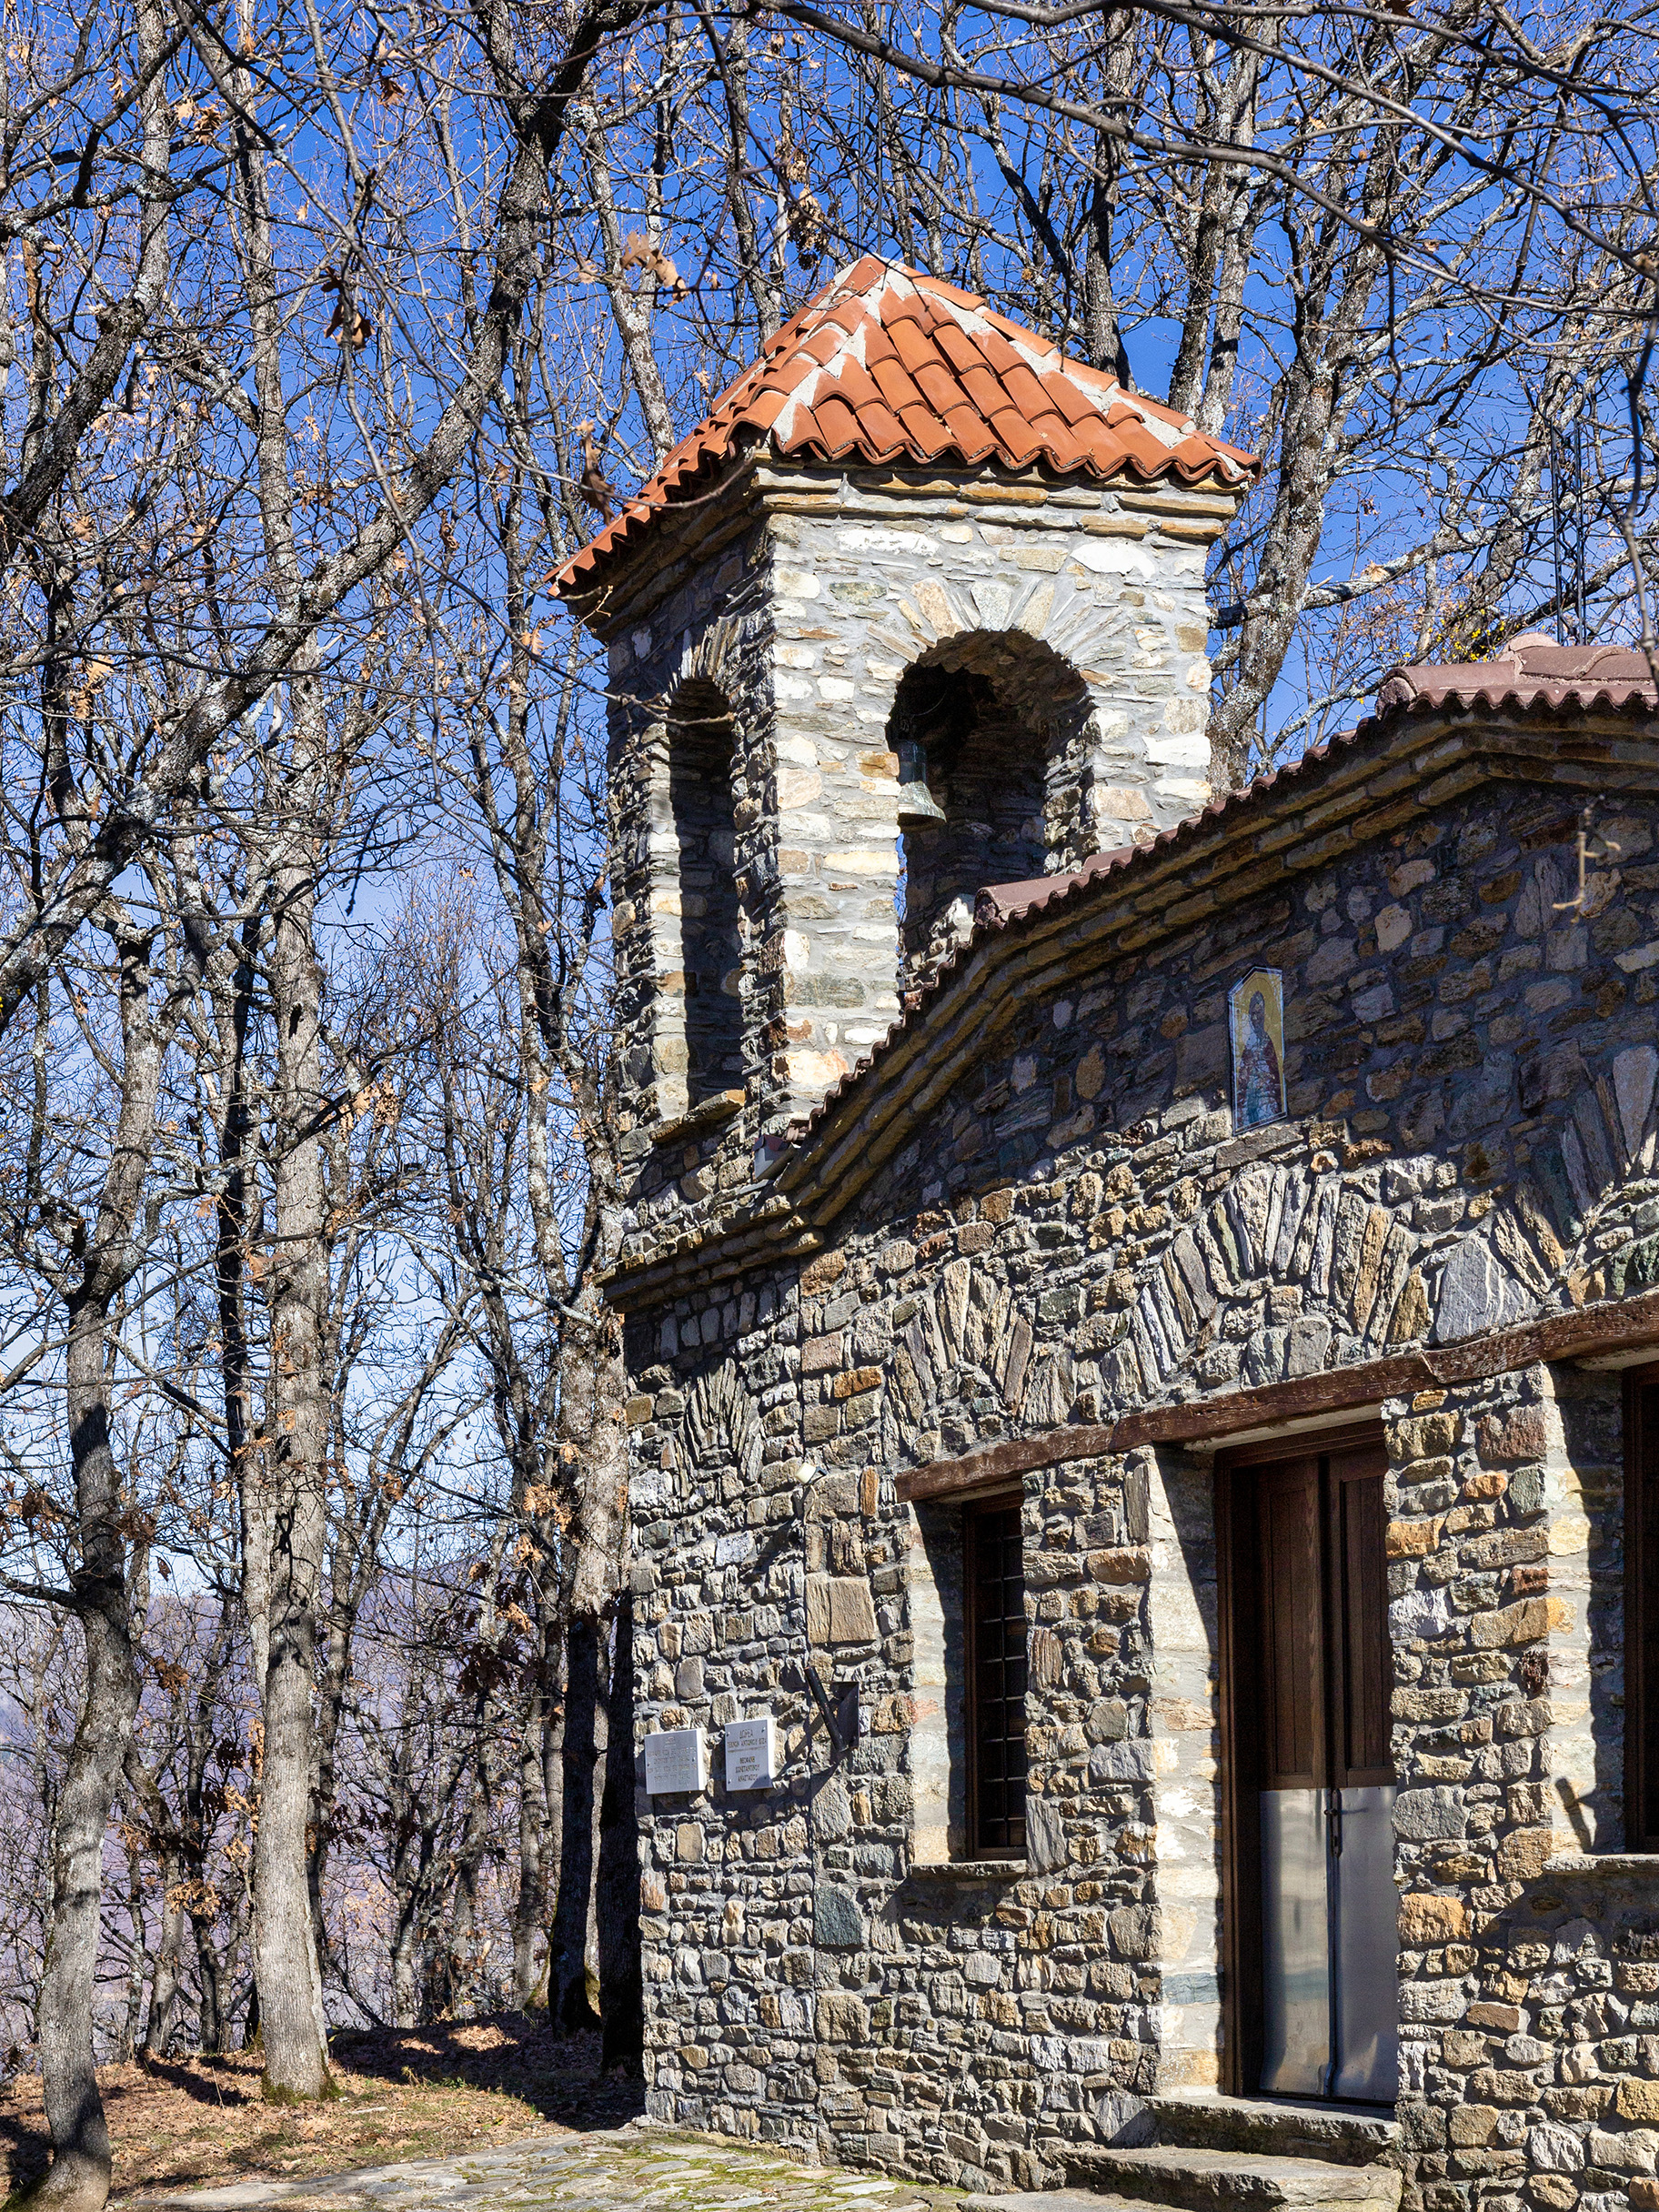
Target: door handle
{"type": "Point", "coordinates": [1334, 1817]}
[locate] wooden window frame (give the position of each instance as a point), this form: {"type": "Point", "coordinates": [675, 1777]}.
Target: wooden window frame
{"type": "Point", "coordinates": [1241, 1839]}
{"type": "Point", "coordinates": [974, 1512]}
{"type": "Point", "coordinates": [1641, 1641]}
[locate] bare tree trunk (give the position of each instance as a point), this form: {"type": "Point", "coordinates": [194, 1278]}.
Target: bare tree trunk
{"type": "Point", "coordinates": [137, 1958]}
{"type": "Point", "coordinates": [569, 2000]}
{"type": "Point", "coordinates": [1102, 331]}
{"type": "Point", "coordinates": [285, 1945]}
{"type": "Point", "coordinates": [404, 1974]}
{"type": "Point", "coordinates": [164, 1983]}
{"type": "Point", "coordinates": [592, 1394]}
{"type": "Point", "coordinates": [454, 1978]}
{"type": "Point", "coordinates": [284, 1948]}
{"type": "Point", "coordinates": [209, 1982]}
{"type": "Point", "coordinates": [78, 2177]}
{"type": "Point", "coordinates": [538, 1844]}
{"type": "Point", "coordinates": [621, 1987]}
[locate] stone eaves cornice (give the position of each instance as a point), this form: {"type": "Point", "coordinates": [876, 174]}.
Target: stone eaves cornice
{"type": "Point", "coordinates": [688, 535]}
{"type": "Point", "coordinates": [1347, 795]}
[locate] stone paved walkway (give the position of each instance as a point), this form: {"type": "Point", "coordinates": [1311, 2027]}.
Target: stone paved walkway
{"type": "Point", "coordinates": [642, 2164]}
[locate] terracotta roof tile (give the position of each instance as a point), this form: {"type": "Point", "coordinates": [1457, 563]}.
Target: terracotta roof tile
{"type": "Point", "coordinates": [1141, 448]}
{"type": "Point", "coordinates": [938, 387]}
{"type": "Point", "coordinates": [958, 347]}
{"type": "Point", "coordinates": [838, 425]}
{"type": "Point", "coordinates": [767, 409]}
{"type": "Point", "coordinates": [1531, 670]}
{"type": "Point", "coordinates": [886, 364]}
{"type": "Point", "coordinates": [982, 388]}
{"type": "Point", "coordinates": [858, 387]}
{"type": "Point", "coordinates": [926, 432]}
{"type": "Point", "coordinates": [1015, 434]}
{"type": "Point", "coordinates": [1065, 399]}
{"type": "Point", "coordinates": [897, 387]}
{"type": "Point", "coordinates": [913, 345]}
{"type": "Point", "coordinates": [996, 347]}
{"type": "Point", "coordinates": [881, 427]}
{"type": "Point", "coordinates": [973, 437]}
{"type": "Point", "coordinates": [1026, 393]}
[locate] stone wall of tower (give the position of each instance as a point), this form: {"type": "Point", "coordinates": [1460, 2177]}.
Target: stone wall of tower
{"type": "Point", "coordinates": [1088, 604]}
{"type": "Point", "coordinates": [803, 610]}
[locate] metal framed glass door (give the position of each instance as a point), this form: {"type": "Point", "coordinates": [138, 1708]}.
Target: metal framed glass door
{"type": "Point", "coordinates": [1312, 1718]}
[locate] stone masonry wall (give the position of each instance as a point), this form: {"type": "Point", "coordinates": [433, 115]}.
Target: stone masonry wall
{"type": "Point", "coordinates": [805, 621]}
{"type": "Point", "coordinates": [1076, 1233]}
{"type": "Point", "coordinates": [874, 576]}
{"type": "Point", "coordinates": [1506, 1586]}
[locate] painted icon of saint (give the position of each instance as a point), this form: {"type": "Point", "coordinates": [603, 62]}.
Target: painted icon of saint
{"type": "Point", "coordinates": [1261, 1090]}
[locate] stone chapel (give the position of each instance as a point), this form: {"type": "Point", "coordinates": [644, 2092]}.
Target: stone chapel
{"type": "Point", "coordinates": [1140, 1311]}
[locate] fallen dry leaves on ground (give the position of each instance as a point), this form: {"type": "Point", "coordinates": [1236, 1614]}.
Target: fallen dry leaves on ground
{"type": "Point", "coordinates": [414, 2093]}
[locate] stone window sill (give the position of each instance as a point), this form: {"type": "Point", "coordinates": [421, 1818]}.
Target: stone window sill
{"type": "Point", "coordinates": [707, 1113]}
{"type": "Point", "coordinates": [1586, 1865]}
{"type": "Point", "coordinates": [969, 1870]}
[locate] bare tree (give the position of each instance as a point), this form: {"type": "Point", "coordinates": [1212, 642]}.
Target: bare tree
{"type": "Point", "coordinates": [89, 1253]}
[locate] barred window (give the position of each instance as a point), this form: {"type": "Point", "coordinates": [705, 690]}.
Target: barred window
{"type": "Point", "coordinates": [995, 1578]}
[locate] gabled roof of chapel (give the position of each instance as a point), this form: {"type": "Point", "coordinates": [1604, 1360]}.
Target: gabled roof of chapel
{"type": "Point", "coordinates": [889, 366]}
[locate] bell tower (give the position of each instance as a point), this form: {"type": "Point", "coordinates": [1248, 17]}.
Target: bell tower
{"type": "Point", "coordinates": [919, 606]}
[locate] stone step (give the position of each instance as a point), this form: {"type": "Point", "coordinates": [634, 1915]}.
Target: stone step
{"type": "Point", "coordinates": [1056, 2200]}
{"type": "Point", "coordinates": [1344, 2136]}
{"type": "Point", "coordinates": [1199, 2179]}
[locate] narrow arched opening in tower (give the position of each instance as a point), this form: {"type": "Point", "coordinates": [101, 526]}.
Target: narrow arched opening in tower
{"type": "Point", "coordinates": [701, 799]}
{"type": "Point", "coordinates": [989, 731]}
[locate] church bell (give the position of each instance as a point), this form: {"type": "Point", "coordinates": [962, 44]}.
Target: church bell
{"type": "Point", "coordinates": [917, 805]}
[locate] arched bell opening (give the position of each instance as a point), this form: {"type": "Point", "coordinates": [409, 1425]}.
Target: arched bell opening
{"type": "Point", "coordinates": [990, 732]}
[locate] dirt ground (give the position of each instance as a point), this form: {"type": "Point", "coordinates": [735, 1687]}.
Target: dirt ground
{"type": "Point", "coordinates": [415, 2093]}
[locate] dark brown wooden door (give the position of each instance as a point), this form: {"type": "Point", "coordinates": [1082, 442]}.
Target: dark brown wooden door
{"type": "Point", "coordinates": [1311, 1780]}
{"type": "Point", "coordinates": [1291, 1642]}
{"type": "Point", "coordinates": [1361, 1753]}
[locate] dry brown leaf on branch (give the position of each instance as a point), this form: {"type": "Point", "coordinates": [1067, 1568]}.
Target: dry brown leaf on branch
{"type": "Point", "coordinates": [592, 483]}
{"type": "Point", "coordinates": [809, 229]}
{"type": "Point", "coordinates": [639, 252]}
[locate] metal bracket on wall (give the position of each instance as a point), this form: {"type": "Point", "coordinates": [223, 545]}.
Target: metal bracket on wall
{"type": "Point", "coordinates": [841, 1718]}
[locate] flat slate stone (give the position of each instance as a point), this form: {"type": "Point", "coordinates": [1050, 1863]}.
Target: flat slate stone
{"type": "Point", "coordinates": [1200, 2178]}
{"type": "Point", "coordinates": [639, 2168]}
{"type": "Point", "coordinates": [1058, 2200]}
{"type": "Point", "coordinates": [1213, 2122]}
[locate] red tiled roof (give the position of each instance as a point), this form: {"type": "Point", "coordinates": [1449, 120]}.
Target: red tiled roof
{"type": "Point", "coordinates": [888, 365]}
{"type": "Point", "coordinates": [996, 904]}
{"type": "Point", "coordinates": [1531, 670]}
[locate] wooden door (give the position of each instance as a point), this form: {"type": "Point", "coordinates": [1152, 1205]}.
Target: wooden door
{"type": "Point", "coordinates": [1311, 1903]}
